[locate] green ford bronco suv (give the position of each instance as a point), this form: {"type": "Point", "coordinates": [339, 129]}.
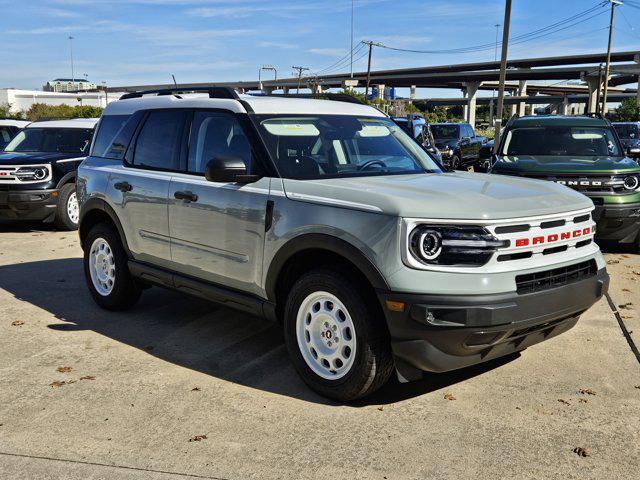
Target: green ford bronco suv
{"type": "Point", "coordinates": [583, 153]}
{"type": "Point", "coordinates": [328, 218]}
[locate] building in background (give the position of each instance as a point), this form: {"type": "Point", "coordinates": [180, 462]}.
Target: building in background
{"type": "Point", "coordinates": [69, 85]}
{"type": "Point", "coordinates": [22, 100]}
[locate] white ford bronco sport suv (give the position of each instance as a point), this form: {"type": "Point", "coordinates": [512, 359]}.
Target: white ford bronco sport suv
{"type": "Point", "coordinates": [325, 216]}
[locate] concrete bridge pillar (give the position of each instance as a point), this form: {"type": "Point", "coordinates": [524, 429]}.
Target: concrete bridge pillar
{"type": "Point", "coordinates": [381, 91]}
{"type": "Point", "coordinates": [522, 92]}
{"type": "Point", "coordinates": [268, 90]}
{"type": "Point", "coordinates": [471, 89]}
{"type": "Point", "coordinates": [564, 106]}
{"type": "Point", "coordinates": [316, 89]}
{"type": "Point", "coordinates": [412, 92]}
{"type": "Point", "coordinates": [592, 83]}
{"type": "Point", "coordinates": [285, 90]}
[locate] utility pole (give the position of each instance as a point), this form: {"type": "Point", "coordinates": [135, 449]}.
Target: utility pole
{"type": "Point", "coordinates": [493, 92]}
{"type": "Point", "coordinates": [73, 80]}
{"type": "Point", "coordinates": [300, 70]}
{"type": "Point", "coordinates": [352, 38]}
{"type": "Point", "coordinates": [371, 45]}
{"type": "Point", "coordinates": [503, 73]}
{"type": "Point", "coordinates": [614, 3]}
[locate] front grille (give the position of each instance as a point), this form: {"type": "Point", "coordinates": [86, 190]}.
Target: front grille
{"type": "Point", "coordinates": [593, 184]}
{"type": "Point", "coordinates": [536, 282]}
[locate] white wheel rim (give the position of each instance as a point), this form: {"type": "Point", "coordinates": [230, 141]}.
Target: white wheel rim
{"type": "Point", "coordinates": [326, 335]}
{"type": "Point", "coordinates": [73, 210]}
{"type": "Point", "coordinates": [102, 267]}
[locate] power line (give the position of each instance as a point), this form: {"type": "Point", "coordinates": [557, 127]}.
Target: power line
{"type": "Point", "coordinates": [342, 60]}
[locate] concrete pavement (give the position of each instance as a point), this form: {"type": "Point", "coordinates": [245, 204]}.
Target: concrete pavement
{"type": "Point", "coordinates": [141, 384]}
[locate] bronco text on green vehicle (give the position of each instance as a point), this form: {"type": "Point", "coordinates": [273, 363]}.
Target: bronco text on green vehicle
{"type": "Point", "coordinates": [583, 153]}
{"type": "Point", "coordinates": [327, 217]}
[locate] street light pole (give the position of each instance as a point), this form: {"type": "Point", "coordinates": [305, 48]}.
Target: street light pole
{"type": "Point", "coordinates": [614, 3]}
{"type": "Point", "coordinates": [71, 51]}
{"type": "Point", "coordinates": [503, 73]}
{"type": "Point", "coordinates": [352, 38]}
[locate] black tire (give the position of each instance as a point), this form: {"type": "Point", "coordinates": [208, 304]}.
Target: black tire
{"type": "Point", "coordinates": [62, 220]}
{"type": "Point", "coordinates": [455, 162]}
{"type": "Point", "coordinates": [125, 291]}
{"type": "Point", "coordinates": [373, 362]}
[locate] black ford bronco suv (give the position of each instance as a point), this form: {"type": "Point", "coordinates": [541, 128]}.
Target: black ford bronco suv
{"type": "Point", "coordinates": [38, 171]}
{"type": "Point", "coordinates": [583, 153]}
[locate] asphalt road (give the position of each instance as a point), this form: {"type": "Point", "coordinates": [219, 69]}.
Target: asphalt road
{"type": "Point", "coordinates": [180, 388]}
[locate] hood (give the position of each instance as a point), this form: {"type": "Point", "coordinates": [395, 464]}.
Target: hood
{"type": "Point", "coordinates": [27, 158]}
{"type": "Point", "coordinates": [446, 143]}
{"type": "Point", "coordinates": [523, 164]}
{"type": "Point", "coordinates": [456, 195]}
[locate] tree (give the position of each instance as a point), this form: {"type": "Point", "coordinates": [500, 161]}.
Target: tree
{"type": "Point", "coordinates": [628, 111]}
{"type": "Point", "coordinates": [5, 112]}
{"type": "Point", "coordinates": [43, 111]}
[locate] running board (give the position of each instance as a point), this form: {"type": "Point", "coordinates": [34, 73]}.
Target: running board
{"type": "Point", "coordinates": [206, 290]}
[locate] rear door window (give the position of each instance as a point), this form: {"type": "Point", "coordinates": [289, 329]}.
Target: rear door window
{"type": "Point", "coordinates": [159, 143]}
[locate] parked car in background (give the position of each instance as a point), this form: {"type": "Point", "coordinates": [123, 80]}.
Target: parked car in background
{"type": "Point", "coordinates": [458, 144]}
{"type": "Point", "coordinates": [9, 128]}
{"type": "Point", "coordinates": [38, 171]}
{"type": "Point", "coordinates": [485, 156]}
{"type": "Point", "coordinates": [418, 128]}
{"type": "Point", "coordinates": [585, 154]}
{"type": "Point", "coordinates": [629, 133]}
{"type": "Point", "coordinates": [326, 217]}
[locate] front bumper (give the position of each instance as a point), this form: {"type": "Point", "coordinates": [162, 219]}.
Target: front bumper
{"type": "Point", "coordinates": [438, 333]}
{"type": "Point", "coordinates": [37, 205]}
{"type": "Point", "coordinates": [617, 222]}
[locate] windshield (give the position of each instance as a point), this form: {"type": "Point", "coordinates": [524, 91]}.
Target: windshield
{"type": "Point", "coordinates": [441, 132]}
{"type": "Point", "coordinates": [51, 140]}
{"type": "Point", "coordinates": [325, 146]}
{"type": "Point", "coordinates": [561, 141]}
{"type": "Point", "coordinates": [627, 131]}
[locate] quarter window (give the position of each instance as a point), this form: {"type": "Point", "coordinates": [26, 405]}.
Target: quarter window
{"type": "Point", "coordinates": [158, 145]}
{"type": "Point", "coordinates": [110, 126]}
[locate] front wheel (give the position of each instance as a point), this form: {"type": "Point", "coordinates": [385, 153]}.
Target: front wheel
{"type": "Point", "coordinates": [336, 336]}
{"type": "Point", "coordinates": [106, 270]}
{"type": "Point", "coordinates": [455, 162]}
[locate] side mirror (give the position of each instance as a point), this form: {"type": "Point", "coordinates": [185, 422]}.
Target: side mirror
{"type": "Point", "coordinates": [228, 169]}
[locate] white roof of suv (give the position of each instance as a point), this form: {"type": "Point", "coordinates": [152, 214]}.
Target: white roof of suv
{"type": "Point", "coordinates": [7, 122]}
{"type": "Point", "coordinates": [71, 123]}
{"type": "Point", "coordinates": [259, 104]}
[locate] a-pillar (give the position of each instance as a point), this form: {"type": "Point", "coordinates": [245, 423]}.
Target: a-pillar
{"type": "Point", "coordinates": [472, 96]}
{"type": "Point", "coordinates": [522, 92]}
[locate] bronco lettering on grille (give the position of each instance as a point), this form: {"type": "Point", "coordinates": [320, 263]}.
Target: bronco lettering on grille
{"type": "Point", "coordinates": [551, 238]}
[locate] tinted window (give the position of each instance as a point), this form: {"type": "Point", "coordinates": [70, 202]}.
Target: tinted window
{"type": "Point", "coordinates": [561, 141]}
{"type": "Point", "coordinates": [6, 134]}
{"type": "Point", "coordinates": [54, 140]}
{"type": "Point", "coordinates": [215, 135]}
{"type": "Point", "coordinates": [627, 131]}
{"type": "Point", "coordinates": [109, 127]}
{"type": "Point", "coordinates": [158, 145]}
{"type": "Point", "coordinates": [445, 131]}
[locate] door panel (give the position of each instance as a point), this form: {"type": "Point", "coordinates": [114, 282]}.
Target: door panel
{"type": "Point", "coordinates": [219, 237]}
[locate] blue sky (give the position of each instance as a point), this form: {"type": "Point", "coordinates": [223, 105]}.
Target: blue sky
{"type": "Point", "coordinates": [124, 42]}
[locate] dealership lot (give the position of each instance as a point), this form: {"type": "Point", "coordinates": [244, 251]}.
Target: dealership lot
{"type": "Point", "coordinates": [92, 394]}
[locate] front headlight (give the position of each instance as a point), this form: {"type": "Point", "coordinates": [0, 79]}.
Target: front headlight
{"type": "Point", "coordinates": [453, 245]}
{"type": "Point", "coordinates": [631, 182]}
{"type": "Point", "coordinates": [26, 174]}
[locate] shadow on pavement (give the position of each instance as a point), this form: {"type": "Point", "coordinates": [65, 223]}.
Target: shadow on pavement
{"type": "Point", "coordinates": [193, 333]}
{"type": "Point", "coordinates": [18, 226]}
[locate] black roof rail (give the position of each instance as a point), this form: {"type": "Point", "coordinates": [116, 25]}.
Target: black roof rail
{"type": "Point", "coordinates": [337, 97]}
{"type": "Point", "coordinates": [594, 115]}
{"type": "Point", "coordinates": [512, 119]}
{"type": "Point", "coordinates": [214, 92]}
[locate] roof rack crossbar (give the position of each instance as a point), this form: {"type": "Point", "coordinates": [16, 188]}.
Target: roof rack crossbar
{"type": "Point", "coordinates": [214, 92]}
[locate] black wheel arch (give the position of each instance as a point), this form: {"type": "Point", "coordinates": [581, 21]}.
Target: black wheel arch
{"type": "Point", "coordinates": [69, 177]}
{"type": "Point", "coordinates": [94, 211]}
{"type": "Point", "coordinates": [329, 244]}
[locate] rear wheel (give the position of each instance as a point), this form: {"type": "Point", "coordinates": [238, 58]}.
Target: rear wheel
{"type": "Point", "coordinates": [106, 271]}
{"type": "Point", "coordinates": [336, 337]}
{"type": "Point", "coordinates": [68, 210]}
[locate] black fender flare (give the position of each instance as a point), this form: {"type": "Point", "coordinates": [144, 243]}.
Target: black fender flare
{"type": "Point", "coordinates": [322, 242]}
{"type": "Point", "coordinates": [93, 204]}
{"type": "Point", "coordinates": [66, 179]}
